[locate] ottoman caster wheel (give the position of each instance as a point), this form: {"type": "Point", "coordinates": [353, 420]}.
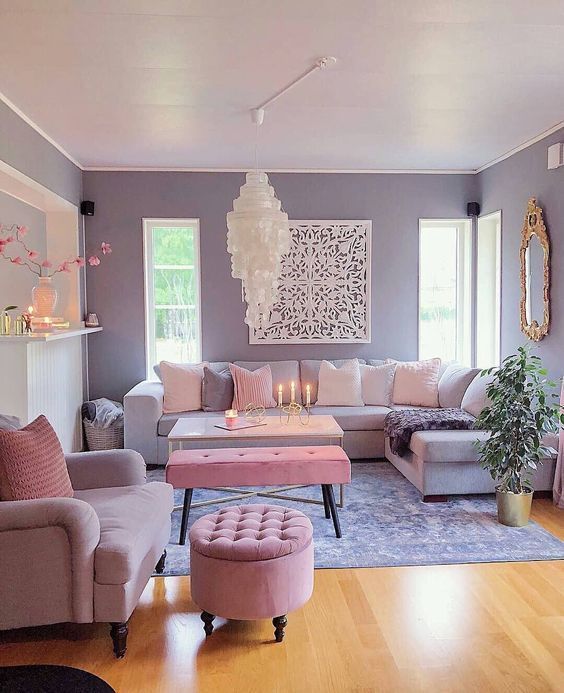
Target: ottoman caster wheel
{"type": "Point", "coordinates": [208, 622]}
{"type": "Point", "coordinates": [279, 623]}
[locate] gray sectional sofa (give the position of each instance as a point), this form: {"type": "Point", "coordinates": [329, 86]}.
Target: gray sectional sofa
{"type": "Point", "coordinates": [438, 463]}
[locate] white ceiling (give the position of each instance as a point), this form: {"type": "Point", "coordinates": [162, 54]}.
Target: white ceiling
{"type": "Point", "coordinates": [419, 84]}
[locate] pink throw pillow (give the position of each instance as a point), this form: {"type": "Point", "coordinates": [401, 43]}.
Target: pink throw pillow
{"type": "Point", "coordinates": [417, 383]}
{"type": "Point", "coordinates": [32, 464]}
{"type": "Point", "coordinates": [252, 387]}
{"type": "Point", "coordinates": [182, 383]}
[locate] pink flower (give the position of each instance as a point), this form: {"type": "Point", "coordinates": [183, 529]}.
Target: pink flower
{"type": "Point", "coordinates": [22, 230]}
{"type": "Point", "coordinates": [94, 261]}
{"type": "Point", "coordinates": [106, 248]}
{"type": "Point", "coordinates": [63, 267]}
{"type": "Point", "coordinates": [32, 254]}
{"type": "Point", "coordinates": [80, 261]}
{"type": "Point", "coordinates": [17, 261]}
{"type": "Point", "coordinates": [10, 239]}
{"type": "Point", "coordinates": [47, 264]}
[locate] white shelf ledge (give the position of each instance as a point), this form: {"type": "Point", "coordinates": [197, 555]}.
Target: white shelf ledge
{"type": "Point", "coordinates": [48, 336]}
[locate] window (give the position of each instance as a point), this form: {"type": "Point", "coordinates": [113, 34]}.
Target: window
{"type": "Point", "coordinates": [172, 291]}
{"type": "Point", "coordinates": [488, 290]}
{"type": "Point", "coordinates": [445, 289]}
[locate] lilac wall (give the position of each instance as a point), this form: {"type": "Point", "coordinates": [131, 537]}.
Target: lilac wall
{"type": "Point", "coordinates": [27, 151]}
{"type": "Point", "coordinates": [17, 283]}
{"type": "Point", "coordinates": [393, 202]}
{"type": "Point", "coordinates": [507, 186]}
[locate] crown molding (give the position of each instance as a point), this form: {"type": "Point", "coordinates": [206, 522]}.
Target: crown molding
{"type": "Point", "coordinates": [12, 106]}
{"type": "Point", "coordinates": [524, 145]}
{"type": "Point", "coordinates": [179, 169]}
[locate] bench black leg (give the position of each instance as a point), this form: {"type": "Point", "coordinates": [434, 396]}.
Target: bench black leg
{"type": "Point", "coordinates": [325, 503]}
{"type": "Point", "coordinates": [185, 513]}
{"type": "Point", "coordinates": [333, 508]}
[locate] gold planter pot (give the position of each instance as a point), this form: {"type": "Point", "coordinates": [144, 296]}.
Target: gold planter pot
{"type": "Point", "coordinates": [513, 509]}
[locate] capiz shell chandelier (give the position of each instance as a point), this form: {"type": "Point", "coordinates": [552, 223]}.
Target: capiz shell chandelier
{"type": "Point", "coordinates": [258, 230]}
{"type": "Point", "coordinates": [258, 236]}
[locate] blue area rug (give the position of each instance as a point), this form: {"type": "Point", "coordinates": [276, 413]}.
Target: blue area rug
{"type": "Point", "coordinates": [385, 523]}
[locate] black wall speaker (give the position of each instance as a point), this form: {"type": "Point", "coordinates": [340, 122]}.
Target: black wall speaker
{"type": "Point", "coordinates": [472, 209]}
{"type": "Point", "coordinates": [87, 208]}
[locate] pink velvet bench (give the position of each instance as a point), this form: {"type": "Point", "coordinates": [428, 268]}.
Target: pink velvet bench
{"type": "Point", "coordinates": [322, 465]}
{"type": "Point", "coordinates": [250, 562]}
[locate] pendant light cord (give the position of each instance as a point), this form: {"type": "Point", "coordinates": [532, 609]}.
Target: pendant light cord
{"type": "Point", "coordinates": [256, 145]}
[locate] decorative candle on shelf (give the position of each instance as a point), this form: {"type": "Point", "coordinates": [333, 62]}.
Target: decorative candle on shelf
{"type": "Point", "coordinates": [279, 395]}
{"type": "Point", "coordinates": [231, 416]}
{"type": "Point", "coordinates": [308, 396]}
{"type": "Point", "coordinates": [292, 392]}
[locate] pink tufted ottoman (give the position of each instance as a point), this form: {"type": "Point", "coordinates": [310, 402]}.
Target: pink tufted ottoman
{"type": "Point", "coordinates": [250, 562]}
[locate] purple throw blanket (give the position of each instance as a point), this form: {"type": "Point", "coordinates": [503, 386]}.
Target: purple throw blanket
{"type": "Point", "coordinates": [400, 424]}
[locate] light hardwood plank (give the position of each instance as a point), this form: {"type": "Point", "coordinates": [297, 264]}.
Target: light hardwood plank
{"type": "Point", "coordinates": [487, 627]}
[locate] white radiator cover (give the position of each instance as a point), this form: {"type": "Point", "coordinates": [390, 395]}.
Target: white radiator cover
{"type": "Point", "coordinates": [45, 377]}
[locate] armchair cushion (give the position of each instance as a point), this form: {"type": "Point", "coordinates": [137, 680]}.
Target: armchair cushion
{"type": "Point", "coordinates": [131, 518]}
{"type": "Point", "coordinates": [32, 463]}
{"type": "Point", "coordinates": [106, 469]}
{"type": "Point", "coordinates": [9, 423]}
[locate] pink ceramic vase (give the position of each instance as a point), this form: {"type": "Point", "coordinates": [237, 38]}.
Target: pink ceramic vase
{"type": "Point", "coordinates": [44, 298]}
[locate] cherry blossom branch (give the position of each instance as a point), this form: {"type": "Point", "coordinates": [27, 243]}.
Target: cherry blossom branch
{"type": "Point", "coordinates": [31, 254]}
{"type": "Point", "coordinates": [15, 235]}
{"type": "Point", "coordinates": [19, 261]}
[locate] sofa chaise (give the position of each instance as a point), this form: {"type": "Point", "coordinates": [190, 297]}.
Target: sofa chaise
{"type": "Point", "coordinates": [438, 463]}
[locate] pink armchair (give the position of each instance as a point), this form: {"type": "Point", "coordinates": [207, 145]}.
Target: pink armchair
{"type": "Point", "coordinates": [88, 558]}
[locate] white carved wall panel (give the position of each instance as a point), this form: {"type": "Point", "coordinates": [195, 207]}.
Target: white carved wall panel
{"type": "Point", "coordinates": [324, 294]}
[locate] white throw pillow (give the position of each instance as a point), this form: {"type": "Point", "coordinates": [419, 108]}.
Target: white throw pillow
{"type": "Point", "coordinates": [475, 398]}
{"type": "Point", "coordinates": [182, 386]}
{"type": "Point", "coordinates": [340, 386]}
{"type": "Point", "coordinates": [417, 382]}
{"type": "Point", "coordinates": [378, 384]}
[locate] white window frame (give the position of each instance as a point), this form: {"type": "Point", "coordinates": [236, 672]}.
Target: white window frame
{"type": "Point", "coordinates": [497, 218]}
{"type": "Point", "coordinates": [150, 343]}
{"type": "Point", "coordinates": [464, 281]}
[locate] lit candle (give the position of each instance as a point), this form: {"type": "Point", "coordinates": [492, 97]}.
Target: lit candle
{"type": "Point", "coordinates": [231, 416]}
{"type": "Point", "coordinates": [308, 395]}
{"type": "Point", "coordinates": [279, 395]}
{"type": "Point", "coordinates": [292, 392]}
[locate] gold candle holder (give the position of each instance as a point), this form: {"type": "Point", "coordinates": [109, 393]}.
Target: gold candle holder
{"type": "Point", "coordinates": [254, 413]}
{"type": "Point", "coordinates": [294, 411]}
{"type": "Point", "coordinates": [5, 323]}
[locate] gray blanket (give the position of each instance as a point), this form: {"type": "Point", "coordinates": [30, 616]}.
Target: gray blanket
{"type": "Point", "coordinates": [399, 425]}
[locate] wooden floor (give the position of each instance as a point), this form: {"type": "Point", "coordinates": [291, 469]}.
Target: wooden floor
{"type": "Point", "coordinates": [488, 627]}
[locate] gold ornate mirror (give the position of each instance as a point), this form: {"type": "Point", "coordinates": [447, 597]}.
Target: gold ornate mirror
{"type": "Point", "coordinates": [535, 274]}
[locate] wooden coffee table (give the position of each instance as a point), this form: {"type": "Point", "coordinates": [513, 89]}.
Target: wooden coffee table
{"type": "Point", "coordinates": [202, 432]}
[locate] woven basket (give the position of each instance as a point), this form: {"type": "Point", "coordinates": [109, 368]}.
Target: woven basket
{"type": "Point", "coordinates": [104, 438]}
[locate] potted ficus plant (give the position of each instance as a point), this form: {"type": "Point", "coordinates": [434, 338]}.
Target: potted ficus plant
{"type": "Point", "coordinates": [520, 414]}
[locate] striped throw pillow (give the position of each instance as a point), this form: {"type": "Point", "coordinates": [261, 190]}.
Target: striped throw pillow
{"type": "Point", "coordinates": [32, 463]}
{"type": "Point", "coordinates": [252, 387]}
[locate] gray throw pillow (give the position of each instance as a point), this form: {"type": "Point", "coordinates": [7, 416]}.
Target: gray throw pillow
{"type": "Point", "coordinates": [217, 390]}
{"type": "Point", "coordinates": [9, 423]}
{"type": "Point", "coordinates": [375, 362]}
{"type": "Point", "coordinates": [453, 384]}
{"type": "Point", "coordinates": [475, 397]}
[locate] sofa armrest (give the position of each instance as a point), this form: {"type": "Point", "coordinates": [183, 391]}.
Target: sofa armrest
{"type": "Point", "coordinates": [143, 408]}
{"type": "Point", "coordinates": [105, 469]}
{"type": "Point", "coordinates": [47, 568]}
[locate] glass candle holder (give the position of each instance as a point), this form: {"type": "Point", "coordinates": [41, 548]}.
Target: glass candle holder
{"type": "Point", "coordinates": [231, 416]}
